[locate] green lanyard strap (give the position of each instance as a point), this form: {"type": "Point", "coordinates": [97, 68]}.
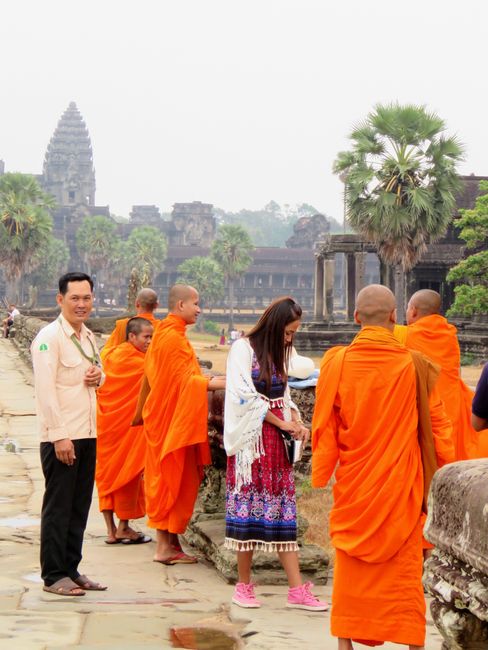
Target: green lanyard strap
{"type": "Point", "coordinates": [94, 358]}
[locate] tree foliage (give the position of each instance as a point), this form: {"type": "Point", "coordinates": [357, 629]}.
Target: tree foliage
{"type": "Point", "coordinates": [206, 276]}
{"type": "Point", "coordinates": [472, 272]}
{"type": "Point", "coordinates": [51, 261]}
{"type": "Point", "coordinates": [232, 250]}
{"type": "Point", "coordinates": [145, 250]}
{"type": "Point", "coordinates": [97, 242]}
{"type": "Point", "coordinates": [400, 180]}
{"type": "Point", "coordinates": [25, 223]}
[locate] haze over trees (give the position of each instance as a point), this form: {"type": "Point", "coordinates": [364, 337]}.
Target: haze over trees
{"type": "Point", "coordinates": [400, 183]}
{"type": "Point", "coordinates": [207, 277]}
{"type": "Point", "coordinates": [273, 224]}
{"type": "Point", "coordinates": [472, 272]}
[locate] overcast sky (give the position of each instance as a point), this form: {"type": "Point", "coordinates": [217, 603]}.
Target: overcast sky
{"type": "Point", "coordinates": [232, 102]}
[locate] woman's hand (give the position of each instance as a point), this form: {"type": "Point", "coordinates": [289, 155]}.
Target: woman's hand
{"type": "Point", "coordinates": [292, 428]}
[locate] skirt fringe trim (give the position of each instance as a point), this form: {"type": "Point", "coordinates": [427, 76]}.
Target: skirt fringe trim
{"type": "Point", "coordinates": [259, 545]}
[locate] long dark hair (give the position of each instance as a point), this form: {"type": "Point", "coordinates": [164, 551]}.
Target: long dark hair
{"type": "Point", "coordinates": [268, 335]}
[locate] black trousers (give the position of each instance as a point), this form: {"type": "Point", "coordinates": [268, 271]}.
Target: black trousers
{"type": "Point", "coordinates": [65, 507]}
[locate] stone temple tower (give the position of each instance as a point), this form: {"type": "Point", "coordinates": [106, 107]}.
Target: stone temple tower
{"type": "Point", "coordinates": [68, 172]}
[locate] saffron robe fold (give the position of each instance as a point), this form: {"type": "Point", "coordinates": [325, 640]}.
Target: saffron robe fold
{"type": "Point", "coordinates": [118, 335]}
{"type": "Point", "coordinates": [437, 339]}
{"type": "Point", "coordinates": [121, 449]}
{"type": "Point", "coordinates": [175, 423]}
{"type": "Point", "coordinates": [366, 420]}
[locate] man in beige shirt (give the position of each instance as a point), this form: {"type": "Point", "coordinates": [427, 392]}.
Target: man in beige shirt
{"type": "Point", "coordinates": [67, 372]}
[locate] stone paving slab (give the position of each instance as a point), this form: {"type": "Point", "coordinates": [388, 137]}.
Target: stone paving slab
{"type": "Point", "coordinates": [144, 599]}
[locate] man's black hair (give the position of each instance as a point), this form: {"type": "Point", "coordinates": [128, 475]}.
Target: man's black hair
{"type": "Point", "coordinates": [76, 276]}
{"type": "Point", "coordinates": [135, 325]}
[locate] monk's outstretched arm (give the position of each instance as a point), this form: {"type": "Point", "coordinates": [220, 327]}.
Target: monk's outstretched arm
{"type": "Point", "coordinates": [441, 428]}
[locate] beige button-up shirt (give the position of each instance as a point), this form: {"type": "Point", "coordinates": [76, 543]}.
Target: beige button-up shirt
{"type": "Point", "coordinates": [65, 406]}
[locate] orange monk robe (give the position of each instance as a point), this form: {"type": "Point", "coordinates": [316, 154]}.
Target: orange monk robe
{"type": "Point", "coordinates": [121, 449]}
{"type": "Point", "coordinates": [437, 339]}
{"type": "Point", "coordinates": [366, 420]}
{"type": "Point", "coordinates": [175, 422]}
{"type": "Point", "coordinates": [119, 335]}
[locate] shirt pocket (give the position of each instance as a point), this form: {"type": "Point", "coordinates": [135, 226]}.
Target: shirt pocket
{"type": "Point", "coordinates": [71, 371]}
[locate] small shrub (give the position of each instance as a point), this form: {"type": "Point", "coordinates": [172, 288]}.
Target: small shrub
{"type": "Point", "coordinates": [212, 328]}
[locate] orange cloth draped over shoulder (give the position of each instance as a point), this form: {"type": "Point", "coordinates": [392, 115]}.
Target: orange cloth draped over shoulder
{"type": "Point", "coordinates": [175, 423]}
{"type": "Point", "coordinates": [437, 339]}
{"type": "Point", "coordinates": [118, 335]}
{"type": "Point", "coordinates": [121, 449]}
{"type": "Point", "coordinates": [366, 423]}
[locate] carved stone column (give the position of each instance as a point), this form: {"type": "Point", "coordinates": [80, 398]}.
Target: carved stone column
{"type": "Point", "coordinates": [360, 270]}
{"type": "Point", "coordinates": [329, 286]}
{"type": "Point", "coordinates": [319, 288]}
{"type": "Point", "coordinates": [350, 285]}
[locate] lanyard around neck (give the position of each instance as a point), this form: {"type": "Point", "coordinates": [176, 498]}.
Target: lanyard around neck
{"type": "Point", "coordinates": [92, 359]}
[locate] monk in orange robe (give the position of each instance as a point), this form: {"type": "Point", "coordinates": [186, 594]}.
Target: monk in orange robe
{"type": "Point", "coordinates": [430, 333]}
{"type": "Point", "coordinates": [146, 304]}
{"type": "Point", "coordinates": [366, 422]}
{"type": "Point", "coordinates": [121, 448]}
{"type": "Point", "coordinates": [175, 423]}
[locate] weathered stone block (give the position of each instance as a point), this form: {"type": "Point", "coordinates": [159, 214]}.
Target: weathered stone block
{"type": "Point", "coordinates": [456, 574]}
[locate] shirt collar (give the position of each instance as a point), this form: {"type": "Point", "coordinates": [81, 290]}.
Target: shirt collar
{"type": "Point", "coordinates": [69, 331]}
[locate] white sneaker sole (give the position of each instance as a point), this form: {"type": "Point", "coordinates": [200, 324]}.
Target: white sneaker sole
{"type": "Point", "coordinates": [309, 608]}
{"type": "Point", "coordinates": [245, 605]}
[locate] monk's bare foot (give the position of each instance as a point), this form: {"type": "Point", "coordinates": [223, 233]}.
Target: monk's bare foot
{"type": "Point", "coordinates": [345, 644]}
{"type": "Point", "coordinates": [126, 532]}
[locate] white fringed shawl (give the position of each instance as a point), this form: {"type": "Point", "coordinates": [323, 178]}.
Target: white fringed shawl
{"type": "Point", "coordinates": [245, 410]}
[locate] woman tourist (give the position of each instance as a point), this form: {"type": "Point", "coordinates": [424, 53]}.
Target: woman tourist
{"type": "Point", "coordinates": [260, 491]}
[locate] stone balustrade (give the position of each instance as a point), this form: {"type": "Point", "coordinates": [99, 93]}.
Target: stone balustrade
{"type": "Point", "coordinates": [456, 575]}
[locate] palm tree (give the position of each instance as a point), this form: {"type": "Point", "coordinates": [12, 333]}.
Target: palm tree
{"type": "Point", "coordinates": [146, 250]}
{"type": "Point", "coordinates": [206, 276]}
{"type": "Point", "coordinates": [25, 225]}
{"type": "Point", "coordinates": [97, 242]}
{"type": "Point", "coordinates": [401, 184]}
{"type": "Point", "coordinates": [50, 262]}
{"type": "Point", "coordinates": [232, 249]}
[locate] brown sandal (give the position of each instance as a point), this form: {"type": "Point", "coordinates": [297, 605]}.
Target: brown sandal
{"type": "Point", "coordinates": [64, 587]}
{"type": "Point", "coordinates": [88, 585]}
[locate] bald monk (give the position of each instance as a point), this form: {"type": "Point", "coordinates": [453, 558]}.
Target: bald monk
{"type": "Point", "coordinates": [146, 304]}
{"type": "Point", "coordinates": [430, 333]}
{"type": "Point", "coordinates": [175, 424]}
{"type": "Point", "coordinates": [366, 421]}
{"type": "Point", "coordinates": [121, 448]}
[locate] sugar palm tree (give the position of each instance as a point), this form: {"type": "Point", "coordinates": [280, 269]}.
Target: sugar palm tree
{"type": "Point", "coordinates": [146, 250]}
{"type": "Point", "coordinates": [97, 242]}
{"type": "Point", "coordinates": [206, 276]}
{"type": "Point", "coordinates": [25, 225]}
{"type": "Point", "coordinates": [401, 184]}
{"type": "Point", "coordinates": [232, 250]}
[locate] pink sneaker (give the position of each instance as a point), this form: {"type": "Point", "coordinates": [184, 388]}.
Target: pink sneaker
{"type": "Point", "coordinates": [244, 595]}
{"type": "Point", "coordinates": [302, 598]}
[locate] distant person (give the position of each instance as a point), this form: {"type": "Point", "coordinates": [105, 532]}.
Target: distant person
{"type": "Point", "coordinates": [222, 337]}
{"type": "Point", "coordinates": [146, 304]}
{"type": "Point", "coordinates": [260, 490]}
{"type": "Point", "coordinates": [7, 322]}
{"type": "Point", "coordinates": [234, 335]}
{"type": "Point", "coordinates": [175, 417]}
{"type": "Point", "coordinates": [430, 333]}
{"type": "Point", "coordinates": [121, 448]}
{"type": "Point", "coordinates": [67, 373]}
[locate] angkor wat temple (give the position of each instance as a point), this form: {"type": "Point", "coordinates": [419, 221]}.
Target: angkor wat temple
{"type": "Point", "coordinates": [344, 264]}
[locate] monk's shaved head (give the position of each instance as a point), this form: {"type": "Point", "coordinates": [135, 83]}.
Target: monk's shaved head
{"type": "Point", "coordinates": [147, 300]}
{"type": "Point", "coordinates": [179, 292]}
{"type": "Point", "coordinates": [375, 305]}
{"type": "Point", "coordinates": [427, 302]}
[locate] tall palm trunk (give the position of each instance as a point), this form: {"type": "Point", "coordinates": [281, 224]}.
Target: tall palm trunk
{"type": "Point", "coordinates": [231, 303]}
